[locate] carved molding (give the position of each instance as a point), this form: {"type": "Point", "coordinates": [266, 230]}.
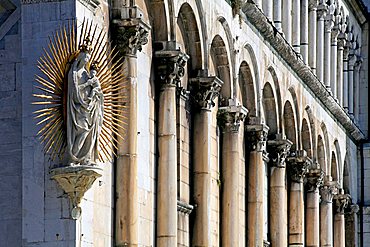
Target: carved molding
{"type": "Point", "coordinates": [170, 64]}
{"type": "Point", "coordinates": [205, 90]}
{"type": "Point", "coordinates": [315, 178]}
{"type": "Point", "coordinates": [256, 136]}
{"type": "Point", "coordinates": [278, 150]}
{"type": "Point", "coordinates": [75, 181]}
{"type": "Point", "coordinates": [298, 166]}
{"type": "Point", "coordinates": [229, 117]}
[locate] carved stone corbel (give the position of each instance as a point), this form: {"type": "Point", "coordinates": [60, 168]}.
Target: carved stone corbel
{"type": "Point", "coordinates": [230, 117]}
{"type": "Point", "coordinates": [130, 31]}
{"type": "Point", "coordinates": [298, 165]}
{"type": "Point", "coordinates": [278, 150]}
{"type": "Point", "coordinates": [205, 90]}
{"type": "Point", "coordinates": [75, 181]}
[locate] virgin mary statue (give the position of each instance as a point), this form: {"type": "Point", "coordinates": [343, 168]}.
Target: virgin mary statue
{"type": "Point", "coordinates": [84, 111]}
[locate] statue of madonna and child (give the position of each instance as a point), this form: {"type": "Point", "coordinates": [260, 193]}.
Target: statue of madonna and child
{"type": "Point", "coordinates": [85, 111]}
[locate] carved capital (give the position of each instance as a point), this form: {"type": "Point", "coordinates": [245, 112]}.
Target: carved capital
{"type": "Point", "coordinates": [230, 117]}
{"type": "Point", "coordinates": [329, 23]}
{"type": "Point", "coordinates": [352, 59]}
{"type": "Point", "coordinates": [205, 90]}
{"type": "Point", "coordinates": [298, 165]}
{"type": "Point", "coordinates": [278, 150]}
{"type": "Point", "coordinates": [256, 136]}
{"type": "Point", "coordinates": [322, 9]}
{"type": "Point", "coordinates": [341, 202]}
{"type": "Point", "coordinates": [346, 52]}
{"type": "Point", "coordinates": [358, 63]}
{"type": "Point", "coordinates": [342, 40]}
{"type": "Point", "coordinates": [328, 190]}
{"type": "Point", "coordinates": [312, 5]}
{"type": "Point", "coordinates": [75, 181]}
{"type": "Point", "coordinates": [334, 34]}
{"type": "Point", "coordinates": [315, 178]}
{"type": "Point", "coordinates": [130, 31]}
{"type": "Point", "coordinates": [170, 66]}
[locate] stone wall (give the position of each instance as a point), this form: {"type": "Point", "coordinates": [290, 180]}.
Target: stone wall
{"type": "Point", "coordinates": [10, 124]}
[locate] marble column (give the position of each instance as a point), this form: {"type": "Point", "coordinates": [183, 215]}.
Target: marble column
{"type": "Point", "coordinates": [356, 82]}
{"type": "Point", "coordinates": [334, 58]}
{"type": "Point", "coordinates": [170, 68]}
{"type": "Point", "coordinates": [321, 14]}
{"type": "Point", "coordinates": [256, 135]}
{"type": "Point", "coordinates": [230, 118]}
{"type": "Point", "coordinates": [304, 30]}
{"type": "Point", "coordinates": [278, 150]}
{"type": "Point", "coordinates": [340, 67]}
{"type": "Point", "coordinates": [351, 64]}
{"type": "Point", "coordinates": [297, 169]}
{"type": "Point", "coordinates": [341, 201]}
{"type": "Point", "coordinates": [351, 225]}
{"type": "Point", "coordinates": [329, 23]}
{"type": "Point", "coordinates": [268, 8]}
{"type": "Point", "coordinates": [296, 25]}
{"type": "Point", "coordinates": [287, 20]}
{"type": "Point", "coordinates": [327, 192]}
{"type": "Point", "coordinates": [314, 181]}
{"type": "Point", "coordinates": [205, 90]}
{"type": "Point", "coordinates": [277, 15]}
{"type": "Point", "coordinates": [345, 77]}
{"type": "Point", "coordinates": [312, 32]}
{"type": "Point", "coordinates": [126, 207]}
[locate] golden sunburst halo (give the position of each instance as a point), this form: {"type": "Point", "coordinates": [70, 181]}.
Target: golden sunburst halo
{"type": "Point", "coordinates": [63, 48]}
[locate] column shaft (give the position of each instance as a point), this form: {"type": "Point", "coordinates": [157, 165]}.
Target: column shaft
{"type": "Point", "coordinates": [304, 30]}
{"type": "Point", "coordinates": [126, 174]}
{"type": "Point", "coordinates": [268, 8]}
{"type": "Point", "coordinates": [327, 61]}
{"type": "Point", "coordinates": [339, 230]}
{"type": "Point", "coordinates": [296, 215]}
{"type": "Point", "coordinates": [345, 79]}
{"type": "Point", "coordinates": [333, 65]}
{"type": "Point", "coordinates": [357, 91]}
{"type": "Point", "coordinates": [287, 20]}
{"type": "Point", "coordinates": [350, 85]}
{"type": "Point", "coordinates": [340, 74]}
{"type": "Point", "coordinates": [296, 25]}
{"type": "Point", "coordinates": [326, 225]}
{"type": "Point", "coordinates": [320, 45]}
{"type": "Point", "coordinates": [167, 168]}
{"type": "Point", "coordinates": [277, 15]}
{"type": "Point", "coordinates": [202, 179]}
{"type": "Point", "coordinates": [230, 194]}
{"type": "Point", "coordinates": [312, 32]}
{"type": "Point", "coordinates": [313, 219]}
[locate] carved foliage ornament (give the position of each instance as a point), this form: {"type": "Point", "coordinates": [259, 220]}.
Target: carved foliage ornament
{"type": "Point", "coordinates": [205, 91]}
{"type": "Point", "coordinates": [278, 151]}
{"type": "Point", "coordinates": [131, 39]}
{"type": "Point", "coordinates": [81, 85]}
{"type": "Point", "coordinates": [171, 67]}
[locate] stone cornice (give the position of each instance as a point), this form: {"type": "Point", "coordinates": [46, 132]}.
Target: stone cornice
{"type": "Point", "coordinates": [254, 16]}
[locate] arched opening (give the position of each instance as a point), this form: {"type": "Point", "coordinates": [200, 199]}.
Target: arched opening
{"type": "Point", "coordinates": [246, 86]}
{"type": "Point", "coordinates": [321, 153]}
{"type": "Point", "coordinates": [346, 178]}
{"type": "Point", "coordinates": [270, 110]}
{"type": "Point", "coordinates": [221, 65]}
{"type": "Point", "coordinates": [306, 138]}
{"type": "Point", "coordinates": [290, 125]}
{"type": "Point", "coordinates": [334, 168]}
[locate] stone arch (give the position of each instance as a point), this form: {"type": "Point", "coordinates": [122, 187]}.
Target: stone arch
{"type": "Point", "coordinates": [346, 176]}
{"type": "Point", "coordinates": [163, 27]}
{"type": "Point", "coordinates": [306, 137]}
{"type": "Point", "coordinates": [220, 62]}
{"type": "Point", "coordinates": [321, 153]}
{"type": "Point", "coordinates": [270, 110]}
{"type": "Point", "coordinates": [276, 90]}
{"type": "Point", "coordinates": [334, 167]}
{"type": "Point", "coordinates": [327, 148]}
{"type": "Point", "coordinates": [339, 161]}
{"type": "Point", "coordinates": [310, 117]}
{"type": "Point", "coordinates": [289, 121]}
{"type": "Point", "coordinates": [188, 26]}
{"type": "Point", "coordinates": [297, 115]}
{"type": "Point", "coordinates": [247, 92]}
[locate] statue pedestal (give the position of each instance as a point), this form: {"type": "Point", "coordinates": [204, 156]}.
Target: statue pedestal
{"type": "Point", "coordinates": [75, 181]}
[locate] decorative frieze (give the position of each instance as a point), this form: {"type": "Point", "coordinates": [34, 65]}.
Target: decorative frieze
{"type": "Point", "coordinates": [341, 202]}
{"type": "Point", "coordinates": [298, 165]}
{"type": "Point", "coordinates": [256, 136]}
{"type": "Point", "coordinates": [170, 66]}
{"type": "Point", "coordinates": [315, 179]}
{"type": "Point", "coordinates": [278, 150]}
{"type": "Point", "coordinates": [205, 90]}
{"type": "Point", "coordinates": [130, 32]}
{"type": "Point", "coordinates": [230, 117]}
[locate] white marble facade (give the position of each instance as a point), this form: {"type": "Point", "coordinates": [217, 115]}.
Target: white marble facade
{"type": "Point", "coordinates": [207, 81]}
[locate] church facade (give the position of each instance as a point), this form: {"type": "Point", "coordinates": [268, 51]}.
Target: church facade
{"type": "Point", "coordinates": [246, 125]}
